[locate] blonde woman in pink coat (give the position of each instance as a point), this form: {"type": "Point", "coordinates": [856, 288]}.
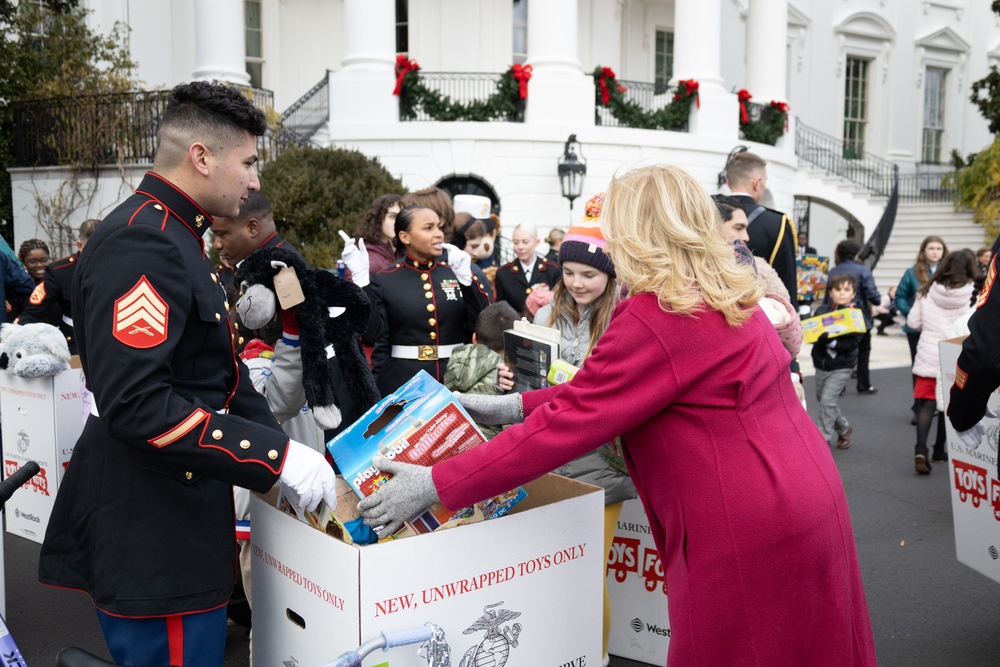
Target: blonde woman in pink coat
{"type": "Point", "coordinates": [743, 498]}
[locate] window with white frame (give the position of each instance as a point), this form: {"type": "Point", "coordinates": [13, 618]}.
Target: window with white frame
{"type": "Point", "coordinates": [519, 51]}
{"type": "Point", "coordinates": [855, 107]}
{"type": "Point", "coordinates": [254, 44]}
{"type": "Point", "coordinates": [403, 26]}
{"type": "Point", "coordinates": [663, 63]}
{"type": "Point", "coordinates": [933, 114]}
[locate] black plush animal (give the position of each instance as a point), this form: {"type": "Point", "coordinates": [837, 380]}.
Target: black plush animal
{"type": "Point", "coordinates": [335, 312]}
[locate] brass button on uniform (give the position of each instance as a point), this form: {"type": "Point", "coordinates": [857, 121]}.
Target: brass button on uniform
{"type": "Point", "coordinates": [244, 444]}
{"type": "Point", "coordinates": [428, 295]}
{"type": "Point", "coordinates": [217, 434]}
{"type": "Point", "coordinates": [432, 322]}
{"type": "Point", "coordinates": [430, 308]}
{"type": "Point", "coordinates": [189, 475]}
{"type": "Point", "coordinates": [218, 317]}
{"type": "Point", "coordinates": [273, 454]}
{"type": "Point", "coordinates": [425, 276]}
{"type": "Point", "coordinates": [215, 278]}
{"type": "Point", "coordinates": [157, 207]}
{"type": "Point", "coordinates": [433, 335]}
{"type": "Point", "coordinates": [527, 291]}
{"type": "Point", "coordinates": [241, 340]}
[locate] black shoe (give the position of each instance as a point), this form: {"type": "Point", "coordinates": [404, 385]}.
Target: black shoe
{"type": "Point", "coordinates": [913, 420]}
{"type": "Point", "coordinates": [922, 465]}
{"type": "Point", "coordinates": [939, 454]}
{"type": "Point", "coordinates": [869, 390]}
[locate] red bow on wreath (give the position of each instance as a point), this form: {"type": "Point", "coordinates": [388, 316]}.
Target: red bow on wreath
{"type": "Point", "coordinates": [783, 108]}
{"type": "Point", "coordinates": [521, 74]}
{"type": "Point", "coordinates": [690, 87]}
{"type": "Point", "coordinates": [744, 96]}
{"type": "Point", "coordinates": [608, 73]}
{"type": "Point", "coordinates": [403, 67]}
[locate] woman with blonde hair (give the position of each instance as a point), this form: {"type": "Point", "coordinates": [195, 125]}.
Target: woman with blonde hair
{"type": "Point", "coordinates": [743, 498]}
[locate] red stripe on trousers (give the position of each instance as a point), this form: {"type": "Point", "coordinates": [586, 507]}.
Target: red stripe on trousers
{"type": "Point", "coordinates": [175, 639]}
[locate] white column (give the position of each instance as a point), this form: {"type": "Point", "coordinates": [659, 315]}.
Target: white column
{"type": "Point", "coordinates": [220, 42]}
{"type": "Point", "coordinates": [698, 56]}
{"type": "Point", "coordinates": [361, 91]}
{"type": "Point", "coordinates": [559, 93]}
{"type": "Point", "coordinates": [767, 50]}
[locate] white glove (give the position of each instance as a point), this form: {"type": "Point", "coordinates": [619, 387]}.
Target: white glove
{"type": "Point", "coordinates": [973, 437]}
{"type": "Point", "coordinates": [460, 263]}
{"type": "Point", "coordinates": [355, 256]}
{"type": "Point", "coordinates": [307, 474]}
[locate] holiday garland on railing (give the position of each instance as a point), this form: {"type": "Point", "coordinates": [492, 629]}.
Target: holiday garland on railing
{"type": "Point", "coordinates": [507, 103]}
{"type": "Point", "coordinates": [773, 122]}
{"type": "Point", "coordinates": [674, 116]}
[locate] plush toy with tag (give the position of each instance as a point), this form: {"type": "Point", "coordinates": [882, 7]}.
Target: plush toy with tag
{"type": "Point", "coordinates": [330, 312]}
{"type": "Point", "coordinates": [33, 350]}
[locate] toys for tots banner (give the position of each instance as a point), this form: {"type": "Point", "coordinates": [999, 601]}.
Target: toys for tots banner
{"type": "Point", "coordinates": [975, 489]}
{"type": "Point", "coordinates": [640, 629]}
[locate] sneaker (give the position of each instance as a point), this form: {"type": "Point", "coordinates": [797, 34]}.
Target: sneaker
{"type": "Point", "coordinates": [869, 391]}
{"type": "Point", "coordinates": [844, 441]}
{"type": "Point", "coordinates": [921, 464]}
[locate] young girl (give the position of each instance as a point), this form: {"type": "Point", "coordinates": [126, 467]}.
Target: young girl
{"type": "Point", "coordinates": [939, 304]}
{"type": "Point", "coordinates": [581, 308]}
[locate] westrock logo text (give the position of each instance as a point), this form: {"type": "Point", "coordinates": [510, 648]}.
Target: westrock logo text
{"type": "Point", "coordinates": [639, 625]}
{"type": "Point", "coordinates": [27, 517]}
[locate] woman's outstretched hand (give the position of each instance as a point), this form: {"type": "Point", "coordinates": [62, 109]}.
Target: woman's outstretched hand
{"type": "Point", "coordinates": [409, 492]}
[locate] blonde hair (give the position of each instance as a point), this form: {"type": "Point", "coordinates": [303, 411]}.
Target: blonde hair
{"type": "Point", "coordinates": [663, 234]}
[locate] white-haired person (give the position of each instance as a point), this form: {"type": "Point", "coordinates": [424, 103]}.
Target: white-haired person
{"type": "Point", "coordinates": [515, 280]}
{"type": "Point", "coordinates": [743, 498]}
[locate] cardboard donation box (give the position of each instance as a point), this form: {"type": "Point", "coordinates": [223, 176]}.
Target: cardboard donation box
{"type": "Point", "coordinates": [524, 589]}
{"type": "Point", "coordinates": [834, 324]}
{"type": "Point", "coordinates": [640, 629]}
{"type": "Point", "coordinates": [975, 490]}
{"type": "Point", "coordinates": [42, 419]}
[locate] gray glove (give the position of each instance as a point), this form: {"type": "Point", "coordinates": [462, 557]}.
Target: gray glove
{"type": "Point", "coordinates": [492, 410]}
{"type": "Point", "coordinates": [409, 492]}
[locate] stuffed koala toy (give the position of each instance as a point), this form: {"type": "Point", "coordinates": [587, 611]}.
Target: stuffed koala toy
{"type": "Point", "coordinates": [33, 350]}
{"type": "Point", "coordinates": [335, 312]}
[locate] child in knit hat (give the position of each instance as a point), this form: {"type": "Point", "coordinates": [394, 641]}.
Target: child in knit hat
{"type": "Point", "coordinates": [582, 302]}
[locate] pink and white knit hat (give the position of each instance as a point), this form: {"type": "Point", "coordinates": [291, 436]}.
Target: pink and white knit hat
{"type": "Point", "coordinates": [584, 242]}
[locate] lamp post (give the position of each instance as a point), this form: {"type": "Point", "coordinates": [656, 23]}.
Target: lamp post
{"type": "Point", "coordinates": [571, 169]}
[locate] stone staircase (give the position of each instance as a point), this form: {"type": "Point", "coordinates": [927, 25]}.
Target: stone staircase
{"type": "Point", "coordinates": [916, 220]}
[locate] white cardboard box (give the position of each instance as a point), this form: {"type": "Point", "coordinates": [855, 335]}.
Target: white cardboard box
{"type": "Point", "coordinates": [42, 419]}
{"type": "Point", "coordinates": [315, 597]}
{"type": "Point", "coordinates": [975, 490]}
{"type": "Point", "coordinates": [640, 628]}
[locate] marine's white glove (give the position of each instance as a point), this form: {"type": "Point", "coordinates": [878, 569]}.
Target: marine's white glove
{"type": "Point", "coordinates": [307, 474]}
{"type": "Point", "coordinates": [355, 256]}
{"type": "Point", "coordinates": [973, 436]}
{"type": "Point", "coordinates": [410, 491]}
{"type": "Point", "coordinates": [460, 263]}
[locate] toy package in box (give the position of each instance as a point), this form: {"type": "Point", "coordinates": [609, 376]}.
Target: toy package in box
{"type": "Point", "coordinates": [419, 423]}
{"type": "Point", "coordinates": [836, 323]}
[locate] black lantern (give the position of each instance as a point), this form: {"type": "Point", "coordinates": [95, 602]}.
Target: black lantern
{"type": "Point", "coordinates": [572, 169]}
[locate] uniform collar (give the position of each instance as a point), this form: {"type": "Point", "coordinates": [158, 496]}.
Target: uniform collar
{"type": "Point", "coordinates": [420, 266]}
{"type": "Point", "coordinates": [272, 241]}
{"type": "Point", "coordinates": [176, 201]}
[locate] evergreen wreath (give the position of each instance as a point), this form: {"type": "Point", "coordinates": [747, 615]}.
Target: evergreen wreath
{"type": "Point", "coordinates": [772, 124]}
{"type": "Point", "coordinates": [507, 103]}
{"type": "Point", "coordinates": [674, 116]}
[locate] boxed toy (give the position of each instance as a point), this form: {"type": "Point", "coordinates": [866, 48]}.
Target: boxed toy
{"type": "Point", "coordinates": [523, 590]}
{"type": "Point", "coordinates": [837, 323]}
{"type": "Point", "coordinates": [420, 423]}
{"type": "Point", "coordinates": [975, 489]}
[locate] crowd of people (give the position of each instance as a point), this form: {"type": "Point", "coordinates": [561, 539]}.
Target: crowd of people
{"type": "Point", "coordinates": [692, 293]}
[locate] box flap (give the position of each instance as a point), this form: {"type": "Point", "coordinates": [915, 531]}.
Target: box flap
{"type": "Point", "coordinates": [550, 489]}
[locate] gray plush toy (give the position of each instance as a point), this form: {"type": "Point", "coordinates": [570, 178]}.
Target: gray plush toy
{"type": "Point", "coordinates": [33, 350]}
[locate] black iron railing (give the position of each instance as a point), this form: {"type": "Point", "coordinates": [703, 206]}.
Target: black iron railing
{"type": "Point", "coordinates": [927, 187]}
{"type": "Point", "coordinates": [309, 113]}
{"type": "Point", "coordinates": [464, 88]}
{"type": "Point", "coordinates": [836, 157]}
{"type": "Point", "coordinates": [114, 128]}
{"type": "Point", "coordinates": [649, 97]}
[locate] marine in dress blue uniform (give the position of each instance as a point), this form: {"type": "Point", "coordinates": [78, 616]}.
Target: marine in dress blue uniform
{"type": "Point", "coordinates": [50, 300]}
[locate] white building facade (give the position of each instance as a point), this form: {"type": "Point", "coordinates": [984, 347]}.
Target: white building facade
{"type": "Point", "coordinates": [886, 78]}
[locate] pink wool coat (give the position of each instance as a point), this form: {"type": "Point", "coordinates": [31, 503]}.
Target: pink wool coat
{"type": "Point", "coordinates": [743, 497]}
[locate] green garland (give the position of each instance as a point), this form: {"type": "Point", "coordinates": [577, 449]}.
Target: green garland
{"type": "Point", "coordinates": [505, 104]}
{"type": "Point", "coordinates": [772, 124]}
{"type": "Point", "coordinates": [674, 116]}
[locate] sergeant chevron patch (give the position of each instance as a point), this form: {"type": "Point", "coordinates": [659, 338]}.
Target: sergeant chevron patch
{"type": "Point", "coordinates": [141, 317]}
